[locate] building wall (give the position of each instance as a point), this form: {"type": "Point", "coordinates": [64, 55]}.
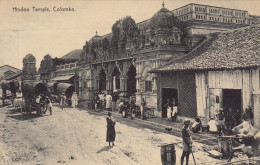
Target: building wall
{"type": "Point", "coordinates": [184, 82]}
{"type": "Point", "coordinates": [212, 13]}
{"type": "Point", "coordinates": [210, 84]}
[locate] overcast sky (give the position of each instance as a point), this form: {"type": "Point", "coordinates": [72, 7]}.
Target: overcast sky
{"type": "Point", "coordinates": [58, 33]}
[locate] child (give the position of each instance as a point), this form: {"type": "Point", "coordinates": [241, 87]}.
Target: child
{"type": "Point", "coordinates": [186, 140]}
{"type": "Point", "coordinates": [196, 126]}
{"type": "Point", "coordinates": [221, 122]}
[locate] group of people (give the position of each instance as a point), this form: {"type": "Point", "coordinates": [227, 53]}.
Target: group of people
{"type": "Point", "coordinates": [42, 104]}
{"type": "Point", "coordinates": [172, 110]}
{"type": "Point", "coordinates": [224, 121]}
{"type": "Point", "coordinates": [103, 100]}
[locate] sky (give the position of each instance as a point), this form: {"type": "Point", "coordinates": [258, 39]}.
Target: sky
{"type": "Point", "coordinates": [58, 33]}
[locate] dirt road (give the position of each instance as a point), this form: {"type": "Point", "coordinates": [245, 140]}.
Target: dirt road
{"type": "Point", "coordinates": [73, 136]}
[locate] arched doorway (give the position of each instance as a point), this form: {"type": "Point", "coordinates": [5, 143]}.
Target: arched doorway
{"type": "Point", "coordinates": [116, 79]}
{"type": "Point", "coordinates": [131, 81]}
{"type": "Point", "coordinates": [102, 80]}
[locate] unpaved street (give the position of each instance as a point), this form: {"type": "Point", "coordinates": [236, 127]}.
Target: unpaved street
{"type": "Point", "coordinates": [74, 136]}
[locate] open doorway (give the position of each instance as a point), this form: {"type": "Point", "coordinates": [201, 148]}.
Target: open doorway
{"type": "Point", "coordinates": [168, 93]}
{"type": "Point", "coordinates": [232, 99]}
{"type": "Point", "coordinates": [131, 81]}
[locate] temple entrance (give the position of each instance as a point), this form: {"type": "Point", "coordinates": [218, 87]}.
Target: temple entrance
{"type": "Point", "coordinates": [116, 79]}
{"type": "Point", "coordinates": [131, 81]}
{"type": "Point", "coordinates": [168, 93]}
{"type": "Point", "coordinates": [102, 80]}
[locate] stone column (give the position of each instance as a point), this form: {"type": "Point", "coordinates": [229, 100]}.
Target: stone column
{"type": "Point", "coordinates": [122, 83]}
{"type": "Point", "coordinates": [96, 85]}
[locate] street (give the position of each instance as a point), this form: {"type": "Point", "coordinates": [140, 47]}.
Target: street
{"type": "Point", "coordinates": [75, 136]}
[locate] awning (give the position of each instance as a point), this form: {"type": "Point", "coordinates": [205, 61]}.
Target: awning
{"type": "Point", "coordinates": [65, 88]}
{"type": "Point", "coordinates": [62, 78]}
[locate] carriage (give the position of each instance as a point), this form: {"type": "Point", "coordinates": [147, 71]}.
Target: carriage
{"type": "Point", "coordinates": [32, 89]}
{"type": "Point", "coordinates": [9, 89]}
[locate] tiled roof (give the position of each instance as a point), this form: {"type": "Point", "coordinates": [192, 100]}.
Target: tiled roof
{"type": "Point", "coordinates": [75, 54]}
{"type": "Point", "coordinates": [235, 49]}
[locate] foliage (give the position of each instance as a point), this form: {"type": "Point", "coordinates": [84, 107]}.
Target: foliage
{"type": "Point", "coordinates": [93, 48]}
{"type": "Point", "coordinates": [105, 44]}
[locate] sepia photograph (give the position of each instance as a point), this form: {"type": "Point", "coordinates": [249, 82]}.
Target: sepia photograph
{"type": "Point", "coordinates": [130, 82]}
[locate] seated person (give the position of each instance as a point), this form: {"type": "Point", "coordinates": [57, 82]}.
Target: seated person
{"type": "Point", "coordinates": [243, 128]}
{"type": "Point", "coordinates": [196, 126]}
{"type": "Point", "coordinates": [213, 126]}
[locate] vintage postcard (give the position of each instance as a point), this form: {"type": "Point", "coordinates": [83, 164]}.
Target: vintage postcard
{"type": "Point", "coordinates": [133, 82]}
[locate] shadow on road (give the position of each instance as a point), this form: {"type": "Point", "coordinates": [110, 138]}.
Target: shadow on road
{"type": "Point", "coordinates": [13, 111]}
{"type": "Point", "coordinates": [23, 117]}
{"type": "Point", "coordinates": [106, 148]}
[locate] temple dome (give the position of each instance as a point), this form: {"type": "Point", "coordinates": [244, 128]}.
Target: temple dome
{"type": "Point", "coordinates": [29, 58]}
{"type": "Point", "coordinates": [161, 19]}
{"type": "Point", "coordinates": [96, 37]}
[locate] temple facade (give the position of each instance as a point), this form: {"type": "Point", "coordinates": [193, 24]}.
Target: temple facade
{"type": "Point", "coordinates": [121, 61]}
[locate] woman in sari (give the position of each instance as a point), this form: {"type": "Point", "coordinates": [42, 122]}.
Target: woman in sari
{"type": "Point", "coordinates": [111, 133]}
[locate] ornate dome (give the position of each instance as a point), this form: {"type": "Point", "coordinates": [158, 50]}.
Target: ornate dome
{"type": "Point", "coordinates": [29, 58]}
{"type": "Point", "coordinates": [161, 19]}
{"type": "Point", "coordinates": [96, 37]}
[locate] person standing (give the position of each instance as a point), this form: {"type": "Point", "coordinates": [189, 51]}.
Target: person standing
{"type": "Point", "coordinates": [114, 100]}
{"type": "Point", "coordinates": [143, 108]}
{"type": "Point", "coordinates": [111, 133]}
{"type": "Point", "coordinates": [48, 105]}
{"type": "Point", "coordinates": [108, 101]}
{"type": "Point", "coordinates": [38, 105]}
{"type": "Point", "coordinates": [174, 110]}
{"type": "Point", "coordinates": [187, 142]}
{"type": "Point", "coordinates": [74, 99]}
{"type": "Point", "coordinates": [62, 102]}
{"type": "Point", "coordinates": [221, 122]}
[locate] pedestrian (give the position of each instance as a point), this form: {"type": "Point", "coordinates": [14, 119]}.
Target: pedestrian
{"type": "Point", "coordinates": [48, 105]}
{"type": "Point", "coordinates": [62, 102]}
{"type": "Point", "coordinates": [111, 133]}
{"type": "Point", "coordinates": [114, 100]}
{"type": "Point", "coordinates": [37, 104]}
{"type": "Point", "coordinates": [187, 142]}
{"type": "Point", "coordinates": [143, 108]}
{"type": "Point", "coordinates": [108, 101]}
{"type": "Point", "coordinates": [74, 99]}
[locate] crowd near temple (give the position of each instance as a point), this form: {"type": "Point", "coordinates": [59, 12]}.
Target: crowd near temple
{"type": "Point", "coordinates": [200, 58]}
